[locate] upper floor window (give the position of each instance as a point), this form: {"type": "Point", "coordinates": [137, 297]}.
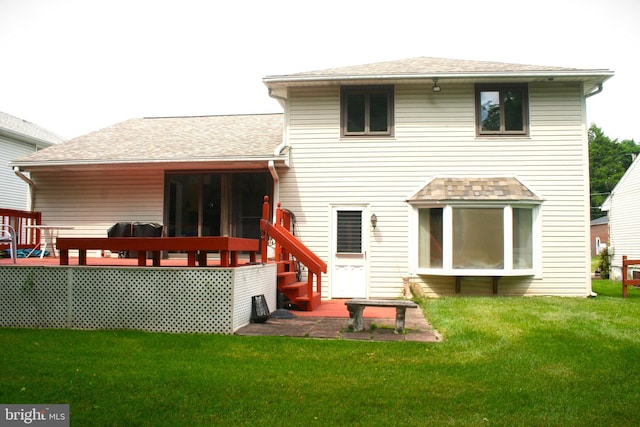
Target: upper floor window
{"type": "Point", "coordinates": [502, 109]}
{"type": "Point", "coordinates": [367, 111]}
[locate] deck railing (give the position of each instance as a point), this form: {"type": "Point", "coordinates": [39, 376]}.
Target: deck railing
{"type": "Point", "coordinates": [27, 238]}
{"type": "Point", "coordinates": [626, 280]}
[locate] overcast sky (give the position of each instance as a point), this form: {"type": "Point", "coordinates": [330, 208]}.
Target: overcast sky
{"type": "Point", "coordinates": [75, 66]}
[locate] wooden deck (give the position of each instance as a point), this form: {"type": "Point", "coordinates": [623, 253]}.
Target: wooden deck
{"type": "Point", "coordinates": [113, 261]}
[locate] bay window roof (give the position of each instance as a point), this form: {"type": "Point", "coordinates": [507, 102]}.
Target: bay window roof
{"type": "Point", "coordinates": [442, 189]}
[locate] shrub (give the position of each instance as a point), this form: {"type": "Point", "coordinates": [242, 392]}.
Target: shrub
{"type": "Point", "coordinates": [604, 264]}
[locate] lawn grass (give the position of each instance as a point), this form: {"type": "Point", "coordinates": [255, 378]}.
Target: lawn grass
{"type": "Point", "coordinates": [504, 361]}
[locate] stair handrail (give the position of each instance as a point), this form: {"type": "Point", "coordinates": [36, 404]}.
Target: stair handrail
{"type": "Point", "coordinates": [294, 246]}
{"type": "Point", "coordinates": [284, 238]}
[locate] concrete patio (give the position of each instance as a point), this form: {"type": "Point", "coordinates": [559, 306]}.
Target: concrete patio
{"type": "Point", "coordinates": [330, 321]}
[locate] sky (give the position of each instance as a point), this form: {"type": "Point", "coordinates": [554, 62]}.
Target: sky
{"type": "Point", "coordinates": [76, 66]}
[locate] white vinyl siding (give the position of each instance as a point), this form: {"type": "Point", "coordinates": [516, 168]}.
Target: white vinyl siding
{"type": "Point", "coordinates": [14, 192]}
{"type": "Point", "coordinates": [435, 136]}
{"type": "Point", "coordinates": [92, 201]}
{"type": "Point", "coordinates": [623, 219]}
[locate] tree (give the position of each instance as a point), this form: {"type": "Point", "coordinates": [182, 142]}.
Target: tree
{"type": "Point", "coordinates": [608, 161]}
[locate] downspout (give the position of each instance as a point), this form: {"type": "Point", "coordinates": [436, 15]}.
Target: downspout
{"type": "Point", "coordinates": [276, 153]}
{"type": "Point", "coordinates": [590, 94]}
{"type": "Point", "coordinates": [29, 182]}
{"type": "Point", "coordinates": [278, 97]}
{"type": "Point", "coordinates": [595, 92]}
{"type": "Point", "coordinates": [276, 186]}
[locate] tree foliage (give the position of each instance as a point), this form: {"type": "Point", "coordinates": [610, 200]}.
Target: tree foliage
{"type": "Point", "coordinates": [608, 161]}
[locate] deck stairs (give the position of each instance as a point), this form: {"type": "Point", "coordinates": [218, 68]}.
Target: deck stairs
{"type": "Point", "coordinates": [291, 255]}
{"type": "Point", "coordinates": [295, 290]}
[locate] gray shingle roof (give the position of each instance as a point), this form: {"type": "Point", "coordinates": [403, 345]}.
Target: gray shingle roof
{"type": "Point", "coordinates": [430, 65]}
{"type": "Point", "coordinates": [170, 139]}
{"type": "Point", "coordinates": [37, 133]}
{"type": "Point", "coordinates": [427, 68]}
{"type": "Point", "coordinates": [476, 189]}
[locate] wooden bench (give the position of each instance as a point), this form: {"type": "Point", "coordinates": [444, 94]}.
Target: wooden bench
{"type": "Point", "coordinates": [356, 309]}
{"type": "Point", "coordinates": [195, 247]}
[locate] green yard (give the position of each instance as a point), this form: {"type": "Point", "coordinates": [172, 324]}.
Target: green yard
{"type": "Point", "coordinates": [504, 361]}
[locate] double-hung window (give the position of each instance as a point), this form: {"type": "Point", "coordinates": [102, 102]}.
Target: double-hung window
{"type": "Point", "coordinates": [367, 111]}
{"type": "Point", "coordinates": [502, 109]}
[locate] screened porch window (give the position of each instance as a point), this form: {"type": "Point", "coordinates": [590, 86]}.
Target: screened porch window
{"type": "Point", "coordinates": [215, 204]}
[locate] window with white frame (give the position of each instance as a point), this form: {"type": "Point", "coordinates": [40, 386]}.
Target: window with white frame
{"type": "Point", "coordinates": [482, 240]}
{"type": "Point", "coordinates": [480, 226]}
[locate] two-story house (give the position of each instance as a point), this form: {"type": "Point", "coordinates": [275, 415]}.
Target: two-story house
{"type": "Point", "coordinates": [19, 138]}
{"type": "Point", "coordinates": [456, 176]}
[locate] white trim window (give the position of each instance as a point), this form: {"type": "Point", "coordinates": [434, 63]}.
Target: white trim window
{"type": "Point", "coordinates": [466, 240]}
{"type": "Point", "coordinates": [479, 235]}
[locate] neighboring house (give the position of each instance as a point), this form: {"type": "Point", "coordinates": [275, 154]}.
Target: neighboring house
{"type": "Point", "coordinates": [599, 235]}
{"type": "Point", "coordinates": [455, 176]}
{"type": "Point", "coordinates": [19, 138]}
{"type": "Point", "coordinates": [624, 228]}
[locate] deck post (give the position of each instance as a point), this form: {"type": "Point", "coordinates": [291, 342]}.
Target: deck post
{"type": "Point", "coordinates": [625, 291]}
{"type": "Point", "coordinates": [263, 234]}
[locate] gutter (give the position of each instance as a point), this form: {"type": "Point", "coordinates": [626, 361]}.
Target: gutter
{"type": "Point", "coordinates": [430, 75]}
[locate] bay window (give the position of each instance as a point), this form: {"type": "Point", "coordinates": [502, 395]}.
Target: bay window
{"type": "Point", "coordinates": [476, 239]}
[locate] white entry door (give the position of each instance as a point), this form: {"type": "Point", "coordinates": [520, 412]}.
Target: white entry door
{"type": "Point", "coordinates": [349, 263]}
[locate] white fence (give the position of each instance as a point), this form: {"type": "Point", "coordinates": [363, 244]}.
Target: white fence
{"type": "Point", "coordinates": [162, 299]}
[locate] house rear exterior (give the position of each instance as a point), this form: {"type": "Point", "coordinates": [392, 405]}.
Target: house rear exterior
{"type": "Point", "coordinates": [460, 177]}
{"type": "Point", "coordinates": [476, 173]}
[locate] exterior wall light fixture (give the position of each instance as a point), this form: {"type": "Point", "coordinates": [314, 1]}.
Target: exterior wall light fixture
{"type": "Point", "coordinates": [374, 221]}
{"type": "Point", "coordinates": [436, 88]}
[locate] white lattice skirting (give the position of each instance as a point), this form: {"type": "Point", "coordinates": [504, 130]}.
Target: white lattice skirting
{"type": "Point", "coordinates": [162, 299]}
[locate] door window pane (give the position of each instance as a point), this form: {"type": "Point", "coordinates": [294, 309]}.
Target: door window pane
{"type": "Point", "coordinates": [248, 191]}
{"type": "Point", "coordinates": [211, 209]}
{"type": "Point", "coordinates": [184, 205]}
{"type": "Point", "coordinates": [349, 236]}
{"type": "Point", "coordinates": [478, 238]}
